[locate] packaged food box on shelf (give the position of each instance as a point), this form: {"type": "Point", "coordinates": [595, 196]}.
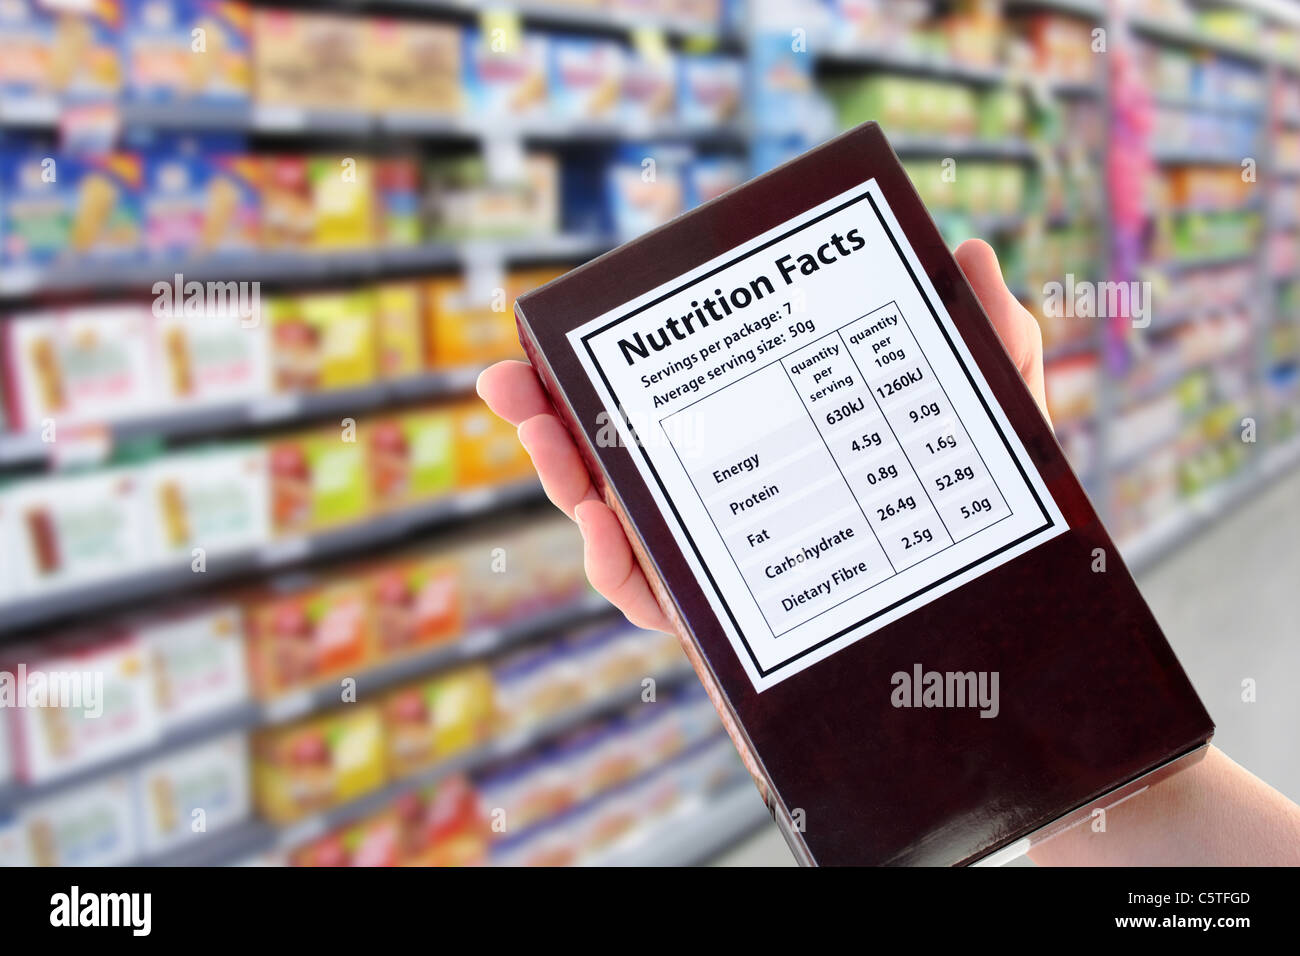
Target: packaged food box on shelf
{"type": "Point", "coordinates": [319, 480]}
{"type": "Point", "coordinates": [90, 825]}
{"type": "Point", "coordinates": [77, 365]}
{"type": "Point", "coordinates": [585, 79]}
{"type": "Point", "coordinates": [465, 327]}
{"type": "Point", "coordinates": [214, 500]}
{"type": "Point", "coordinates": [411, 66]}
{"type": "Point", "coordinates": [437, 718]}
{"type": "Point", "coordinates": [507, 83]}
{"type": "Point", "coordinates": [199, 199]}
{"type": "Point", "coordinates": [464, 199]}
{"type": "Point", "coordinates": [72, 529]}
{"type": "Point", "coordinates": [301, 636]}
{"type": "Point", "coordinates": [308, 59]}
{"type": "Point", "coordinates": [319, 763]}
{"type": "Point", "coordinates": [343, 202]}
{"type": "Point", "coordinates": [82, 700]}
{"type": "Point", "coordinates": [197, 659]}
{"type": "Point", "coordinates": [441, 825]}
{"type": "Point", "coordinates": [159, 46]}
{"type": "Point", "coordinates": [69, 207]}
{"type": "Point", "coordinates": [191, 794]}
{"type": "Point", "coordinates": [323, 340]}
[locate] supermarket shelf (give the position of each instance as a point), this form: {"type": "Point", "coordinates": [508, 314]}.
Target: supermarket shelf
{"type": "Point", "coordinates": [13, 796]}
{"type": "Point", "coordinates": [1204, 105]}
{"type": "Point", "coordinates": [267, 266]}
{"type": "Point", "coordinates": [694, 833]}
{"type": "Point", "coordinates": [251, 715]}
{"type": "Point", "coordinates": [287, 121]}
{"type": "Point", "coordinates": [477, 644]}
{"type": "Point", "coordinates": [1146, 549]}
{"type": "Point", "coordinates": [155, 582]}
{"type": "Point", "coordinates": [27, 448]}
{"type": "Point", "coordinates": [908, 145]}
{"type": "Point", "coordinates": [1183, 156]}
{"type": "Point", "coordinates": [509, 745]}
{"type": "Point", "coordinates": [858, 58]}
{"type": "Point", "coordinates": [1193, 38]}
{"type": "Point", "coordinates": [1193, 263]}
{"type": "Point", "coordinates": [588, 16]}
{"type": "Point", "coordinates": [1093, 9]}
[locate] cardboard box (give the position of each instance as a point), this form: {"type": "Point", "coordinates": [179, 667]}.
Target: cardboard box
{"type": "Point", "coordinates": [801, 359]}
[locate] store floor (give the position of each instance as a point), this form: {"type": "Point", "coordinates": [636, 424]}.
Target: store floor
{"type": "Point", "coordinates": [1229, 602]}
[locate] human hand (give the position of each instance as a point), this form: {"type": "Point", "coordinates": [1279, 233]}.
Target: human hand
{"type": "Point", "coordinates": [512, 390]}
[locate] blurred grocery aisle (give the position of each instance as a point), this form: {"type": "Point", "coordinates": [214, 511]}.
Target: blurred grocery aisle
{"type": "Point", "coordinates": [253, 256]}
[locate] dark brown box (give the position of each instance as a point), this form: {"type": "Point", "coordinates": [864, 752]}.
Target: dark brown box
{"type": "Point", "coordinates": [1094, 704]}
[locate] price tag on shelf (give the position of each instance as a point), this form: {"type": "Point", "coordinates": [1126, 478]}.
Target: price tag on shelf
{"type": "Point", "coordinates": [503, 154]}
{"type": "Point", "coordinates": [284, 552]}
{"type": "Point", "coordinates": [79, 445]}
{"type": "Point", "coordinates": [287, 707]}
{"type": "Point", "coordinates": [274, 408]}
{"type": "Point", "coordinates": [471, 501]}
{"type": "Point", "coordinates": [485, 273]}
{"type": "Point", "coordinates": [651, 43]}
{"type": "Point", "coordinates": [89, 127]}
{"type": "Point", "coordinates": [503, 30]}
{"type": "Point", "coordinates": [479, 642]}
{"type": "Point", "coordinates": [274, 118]}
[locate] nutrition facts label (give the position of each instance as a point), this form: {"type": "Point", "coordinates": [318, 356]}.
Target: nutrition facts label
{"type": "Point", "coordinates": [822, 446]}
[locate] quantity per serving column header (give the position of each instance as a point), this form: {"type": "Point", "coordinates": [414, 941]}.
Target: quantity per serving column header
{"type": "Point", "coordinates": [823, 447]}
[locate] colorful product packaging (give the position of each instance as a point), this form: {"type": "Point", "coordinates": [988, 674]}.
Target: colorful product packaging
{"type": "Point", "coordinates": [73, 529]}
{"type": "Point", "coordinates": [508, 83]}
{"type": "Point", "coordinates": [288, 216]}
{"type": "Point", "coordinates": [343, 201]}
{"type": "Point", "coordinates": [371, 841]}
{"type": "Point", "coordinates": [69, 207]}
{"type": "Point", "coordinates": [88, 364]}
{"type": "Point", "coordinates": [216, 500]}
{"type": "Point", "coordinates": [200, 203]}
{"type": "Point", "coordinates": [398, 319]}
{"type": "Point", "coordinates": [199, 791]}
{"type": "Point", "coordinates": [417, 602]}
{"type": "Point", "coordinates": [318, 480]}
{"type": "Point", "coordinates": [91, 825]}
{"type": "Point", "coordinates": [212, 358]}
{"type": "Point", "coordinates": [197, 660]}
{"type": "Point", "coordinates": [412, 457]}
{"type": "Point", "coordinates": [585, 79]}
{"type": "Point", "coordinates": [488, 451]}
{"type": "Point", "coordinates": [323, 340]}
{"type": "Point", "coordinates": [83, 700]}
{"type": "Point", "coordinates": [307, 635]}
{"type": "Point", "coordinates": [319, 763]}
{"type": "Point", "coordinates": [397, 183]}
{"type": "Point", "coordinates": [437, 719]}
{"type": "Point", "coordinates": [308, 60]}
{"type": "Point", "coordinates": [463, 201]}
{"type": "Point", "coordinates": [709, 90]}
{"type": "Point", "coordinates": [411, 66]}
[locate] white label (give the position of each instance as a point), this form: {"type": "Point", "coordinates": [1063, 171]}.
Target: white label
{"type": "Point", "coordinates": [816, 434]}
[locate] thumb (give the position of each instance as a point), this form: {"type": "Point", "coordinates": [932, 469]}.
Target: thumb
{"type": "Point", "coordinates": [1016, 327]}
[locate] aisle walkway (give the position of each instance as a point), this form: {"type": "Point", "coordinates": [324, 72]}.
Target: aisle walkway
{"type": "Point", "coordinates": [1229, 603]}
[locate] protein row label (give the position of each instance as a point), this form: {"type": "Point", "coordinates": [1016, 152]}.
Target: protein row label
{"type": "Point", "coordinates": [821, 443]}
